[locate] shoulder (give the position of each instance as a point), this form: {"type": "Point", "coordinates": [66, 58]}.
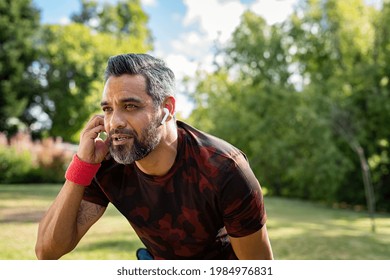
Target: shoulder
{"type": "Point", "coordinates": [208, 143]}
{"type": "Point", "coordinates": [210, 150]}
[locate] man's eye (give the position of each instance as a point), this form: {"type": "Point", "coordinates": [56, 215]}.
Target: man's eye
{"type": "Point", "coordinates": [130, 106]}
{"type": "Point", "coordinates": [106, 109]}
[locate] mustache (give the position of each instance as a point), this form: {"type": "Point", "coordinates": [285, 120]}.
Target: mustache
{"type": "Point", "coordinates": [124, 131]}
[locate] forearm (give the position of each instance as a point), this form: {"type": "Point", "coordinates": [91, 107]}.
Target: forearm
{"type": "Point", "coordinates": [57, 232]}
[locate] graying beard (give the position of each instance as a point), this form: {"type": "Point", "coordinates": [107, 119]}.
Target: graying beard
{"type": "Point", "coordinates": [139, 150]}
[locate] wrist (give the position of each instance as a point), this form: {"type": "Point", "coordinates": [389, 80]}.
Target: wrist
{"type": "Point", "coordinates": [81, 172]}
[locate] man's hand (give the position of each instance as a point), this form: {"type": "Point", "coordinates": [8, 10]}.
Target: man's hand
{"type": "Point", "coordinates": [91, 148]}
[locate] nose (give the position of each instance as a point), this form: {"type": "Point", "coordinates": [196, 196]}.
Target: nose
{"type": "Point", "coordinates": [117, 120]}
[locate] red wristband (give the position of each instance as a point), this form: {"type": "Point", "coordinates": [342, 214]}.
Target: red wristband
{"type": "Point", "coordinates": [81, 172]}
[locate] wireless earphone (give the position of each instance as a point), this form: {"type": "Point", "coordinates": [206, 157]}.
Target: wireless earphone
{"type": "Point", "coordinates": [166, 112]}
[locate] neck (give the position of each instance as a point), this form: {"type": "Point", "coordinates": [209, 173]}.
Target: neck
{"type": "Point", "coordinates": [162, 158]}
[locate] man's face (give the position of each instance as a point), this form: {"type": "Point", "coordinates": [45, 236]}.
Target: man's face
{"type": "Point", "coordinates": [129, 118]}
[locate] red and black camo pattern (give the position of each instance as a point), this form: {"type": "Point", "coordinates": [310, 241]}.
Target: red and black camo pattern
{"type": "Point", "coordinates": [209, 193]}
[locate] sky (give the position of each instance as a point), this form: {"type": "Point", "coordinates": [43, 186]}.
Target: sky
{"type": "Point", "coordinates": [184, 31]}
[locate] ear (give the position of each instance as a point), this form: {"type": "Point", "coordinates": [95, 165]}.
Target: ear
{"type": "Point", "coordinates": [170, 103]}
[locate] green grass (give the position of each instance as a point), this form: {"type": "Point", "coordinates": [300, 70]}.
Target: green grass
{"type": "Point", "coordinates": [298, 230]}
{"type": "Point", "coordinates": [21, 207]}
{"type": "Point", "coordinates": [307, 231]}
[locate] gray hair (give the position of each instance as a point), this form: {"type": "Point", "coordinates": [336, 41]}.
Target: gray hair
{"type": "Point", "coordinates": [160, 80]}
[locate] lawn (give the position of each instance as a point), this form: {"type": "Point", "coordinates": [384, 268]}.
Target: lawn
{"type": "Point", "coordinates": [298, 230]}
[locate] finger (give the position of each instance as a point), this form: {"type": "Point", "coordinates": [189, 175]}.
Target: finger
{"type": "Point", "coordinates": [99, 120]}
{"type": "Point", "coordinates": [95, 121]}
{"type": "Point", "coordinates": [93, 132]}
{"type": "Point", "coordinates": [101, 149]}
{"type": "Point", "coordinates": [100, 144]}
{"type": "Point", "coordinates": [97, 130]}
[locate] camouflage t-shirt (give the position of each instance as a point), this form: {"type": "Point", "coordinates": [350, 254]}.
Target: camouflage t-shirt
{"type": "Point", "coordinates": [209, 193]}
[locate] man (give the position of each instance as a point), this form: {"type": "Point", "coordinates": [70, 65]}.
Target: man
{"type": "Point", "coordinates": [187, 194]}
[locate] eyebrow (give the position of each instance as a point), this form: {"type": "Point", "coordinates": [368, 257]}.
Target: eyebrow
{"type": "Point", "coordinates": [123, 100]}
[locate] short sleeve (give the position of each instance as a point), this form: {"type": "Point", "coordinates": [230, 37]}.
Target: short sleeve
{"type": "Point", "coordinates": [241, 200]}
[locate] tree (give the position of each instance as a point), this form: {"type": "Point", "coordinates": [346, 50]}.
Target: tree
{"type": "Point", "coordinates": [307, 101]}
{"type": "Point", "coordinates": [378, 109]}
{"type": "Point", "coordinates": [342, 49]}
{"type": "Point", "coordinates": [254, 104]}
{"type": "Point", "coordinates": [18, 22]}
{"type": "Point", "coordinates": [126, 18]}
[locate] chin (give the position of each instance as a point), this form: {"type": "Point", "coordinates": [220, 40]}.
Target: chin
{"type": "Point", "coordinates": [121, 154]}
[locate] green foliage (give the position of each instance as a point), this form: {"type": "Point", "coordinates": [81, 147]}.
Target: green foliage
{"type": "Point", "coordinates": [14, 167]}
{"type": "Point", "coordinates": [296, 97]}
{"type": "Point", "coordinates": [345, 72]}
{"type": "Point", "coordinates": [289, 146]}
{"type": "Point", "coordinates": [25, 161]}
{"type": "Point", "coordinates": [125, 20]}
{"type": "Point", "coordinates": [378, 107]}
{"type": "Point", "coordinates": [19, 167]}
{"type": "Point", "coordinates": [18, 22]}
{"type": "Point", "coordinates": [69, 71]}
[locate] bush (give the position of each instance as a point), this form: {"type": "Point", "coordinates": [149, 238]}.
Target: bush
{"type": "Point", "coordinates": [25, 161]}
{"type": "Point", "coordinates": [14, 167]}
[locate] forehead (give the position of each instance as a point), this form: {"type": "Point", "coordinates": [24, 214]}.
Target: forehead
{"type": "Point", "coordinates": [125, 86]}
